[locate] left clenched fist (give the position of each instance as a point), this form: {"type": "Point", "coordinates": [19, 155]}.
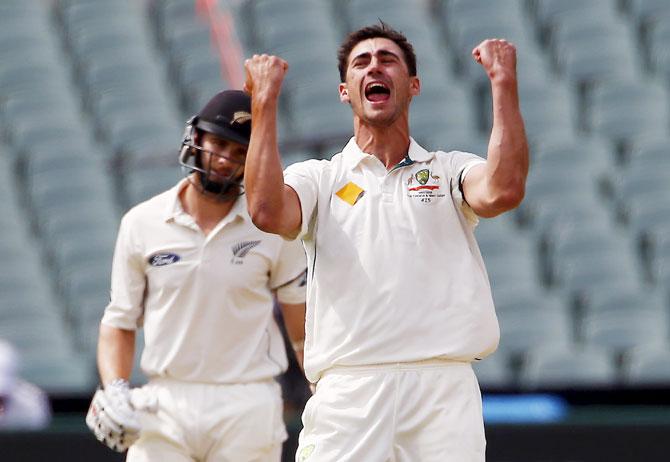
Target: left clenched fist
{"type": "Point", "coordinates": [497, 57]}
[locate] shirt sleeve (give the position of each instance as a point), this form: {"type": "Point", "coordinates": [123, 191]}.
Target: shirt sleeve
{"type": "Point", "coordinates": [303, 177]}
{"type": "Point", "coordinates": [459, 165]}
{"type": "Point", "coordinates": [126, 306]}
{"type": "Point", "coordinates": [288, 276]}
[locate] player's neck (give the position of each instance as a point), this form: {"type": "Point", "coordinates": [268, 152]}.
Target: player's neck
{"type": "Point", "coordinates": [388, 144]}
{"type": "Point", "coordinates": [206, 211]}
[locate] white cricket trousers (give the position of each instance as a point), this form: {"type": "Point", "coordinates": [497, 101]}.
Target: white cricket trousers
{"type": "Point", "coordinates": [207, 423]}
{"type": "Point", "coordinates": [427, 411]}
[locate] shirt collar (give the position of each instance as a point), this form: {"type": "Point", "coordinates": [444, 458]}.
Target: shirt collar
{"type": "Point", "coordinates": [353, 155]}
{"type": "Point", "coordinates": [175, 209]}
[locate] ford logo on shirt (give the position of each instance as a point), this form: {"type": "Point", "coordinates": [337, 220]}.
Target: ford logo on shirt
{"type": "Point", "coordinates": [163, 259]}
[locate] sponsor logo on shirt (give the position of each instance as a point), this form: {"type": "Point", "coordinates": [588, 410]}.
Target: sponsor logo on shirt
{"type": "Point", "coordinates": [241, 249]}
{"type": "Point", "coordinates": [423, 186]}
{"type": "Point", "coordinates": [350, 193]}
{"type": "Point", "coordinates": [163, 259]}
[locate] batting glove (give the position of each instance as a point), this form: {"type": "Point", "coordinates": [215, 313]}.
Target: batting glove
{"type": "Point", "coordinates": [112, 416]}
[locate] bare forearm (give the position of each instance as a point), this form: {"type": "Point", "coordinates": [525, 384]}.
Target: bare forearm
{"type": "Point", "coordinates": [294, 321]}
{"type": "Point", "coordinates": [500, 185]}
{"type": "Point", "coordinates": [507, 159]}
{"type": "Point", "coordinates": [263, 178]}
{"type": "Point", "coordinates": [274, 207]}
{"type": "Point", "coordinates": [116, 352]}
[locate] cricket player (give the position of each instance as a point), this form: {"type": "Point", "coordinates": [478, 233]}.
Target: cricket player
{"type": "Point", "coordinates": [192, 270]}
{"type": "Point", "coordinates": [398, 299]}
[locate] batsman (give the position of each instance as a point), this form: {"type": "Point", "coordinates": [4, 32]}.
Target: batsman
{"type": "Point", "coordinates": [398, 299]}
{"type": "Point", "coordinates": [192, 270]}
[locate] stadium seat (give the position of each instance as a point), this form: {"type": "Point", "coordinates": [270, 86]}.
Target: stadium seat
{"type": "Point", "coordinates": [48, 337]}
{"type": "Point", "coordinates": [500, 238]}
{"type": "Point", "coordinates": [649, 150]}
{"type": "Point", "coordinates": [549, 12]}
{"type": "Point", "coordinates": [565, 368]}
{"type": "Point", "coordinates": [548, 108]}
{"type": "Point", "coordinates": [142, 184]}
{"type": "Point", "coordinates": [58, 187]}
{"type": "Point", "coordinates": [468, 34]}
{"type": "Point", "coordinates": [593, 154]}
{"type": "Point", "coordinates": [85, 282]}
{"type": "Point", "coordinates": [659, 254]}
{"type": "Point", "coordinates": [618, 331]}
{"type": "Point", "coordinates": [26, 134]}
{"type": "Point", "coordinates": [69, 375]}
{"type": "Point", "coordinates": [23, 308]}
{"type": "Point", "coordinates": [189, 34]}
{"type": "Point", "coordinates": [396, 13]}
{"type": "Point", "coordinates": [82, 12]}
{"type": "Point", "coordinates": [647, 367]}
{"type": "Point", "coordinates": [24, 276]}
{"type": "Point", "coordinates": [657, 37]}
{"type": "Point", "coordinates": [642, 212]}
{"type": "Point", "coordinates": [74, 253]}
{"type": "Point", "coordinates": [475, 143]}
{"type": "Point", "coordinates": [523, 330]}
{"type": "Point", "coordinates": [641, 195]}
{"type": "Point", "coordinates": [167, 13]}
{"type": "Point", "coordinates": [552, 187]}
{"type": "Point", "coordinates": [512, 271]}
{"type": "Point", "coordinates": [590, 49]}
{"type": "Point", "coordinates": [441, 115]}
{"type": "Point", "coordinates": [526, 300]}
{"type": "Point", "coordinates": [593, 62]}
{"type": "Point", "coordinates": [646, 11]}
{"type": "Point", "coordinates": [582, 275]}
{"type": "Point", "coordinates": [621, 299]}
{"type": "Point", "coordinates": [266, 11]}
{"type": "Point", "coordinates": [621, 110]}
{"type": "Point", "coordinates": [585, 257]}
{"type": "Point", "coordinates": [494, 372]}
{"type": "Point", "coordinates": [458, 8]}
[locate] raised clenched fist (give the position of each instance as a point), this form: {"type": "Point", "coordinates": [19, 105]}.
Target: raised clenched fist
{"type": "Point", "coordinates": [264, 75]}
{"type": "Point", "coordinates": [497, 57]}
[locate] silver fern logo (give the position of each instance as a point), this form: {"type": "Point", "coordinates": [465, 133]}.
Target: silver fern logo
{"type": "Point", "coordinates": [241, 249]}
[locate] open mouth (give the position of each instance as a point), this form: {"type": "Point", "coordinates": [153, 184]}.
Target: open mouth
{"type": "Point", "coordinates": [377, 91]}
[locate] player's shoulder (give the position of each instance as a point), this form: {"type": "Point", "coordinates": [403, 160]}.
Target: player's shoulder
{"type": "Point", "coordinates": [456, 156]}
{"type": "Point", "coordinates": [308, 165]}
{"type": "Point", "coordinates": [449, 153]}
{"type": "Point", "coordinates": [150, 208]}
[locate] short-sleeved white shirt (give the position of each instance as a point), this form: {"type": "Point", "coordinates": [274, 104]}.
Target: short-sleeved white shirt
{"type": "Point", "coordinates": [205, 301]}
{"type": "Point", "coordinates": [394, 271]}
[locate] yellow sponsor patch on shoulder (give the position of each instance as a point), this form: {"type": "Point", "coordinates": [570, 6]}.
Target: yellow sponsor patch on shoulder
{"type": "Point", "coordinates": [350, 193]}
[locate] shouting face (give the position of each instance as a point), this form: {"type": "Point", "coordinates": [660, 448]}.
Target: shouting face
{"type": "Point", "coordinates": [378, 85]}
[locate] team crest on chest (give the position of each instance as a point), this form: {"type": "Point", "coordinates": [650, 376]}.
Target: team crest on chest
{"type": "Point", "coordinates": [424, 186]}
{"type": "Point", "coordinates": [241, 249]}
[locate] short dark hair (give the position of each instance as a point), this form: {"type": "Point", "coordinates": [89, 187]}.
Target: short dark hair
{"type": "Point", "coordinates": [381, 30]}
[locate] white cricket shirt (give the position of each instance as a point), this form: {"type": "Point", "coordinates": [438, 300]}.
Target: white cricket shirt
{"type": "Point", "coordinates": [394, 271]}
{"type": "Point", "coordinates": [205, 302]}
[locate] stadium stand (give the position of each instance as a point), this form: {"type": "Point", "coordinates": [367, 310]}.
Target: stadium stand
{"type": "Point", "coordinates": [94, 94]}
{"type": "Point", "coordinates": [647, 366]}
{"type": "Point", "coordinates": [571, 367]}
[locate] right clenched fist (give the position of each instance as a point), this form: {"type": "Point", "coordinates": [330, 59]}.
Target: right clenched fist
{"type": "Point", "coordinates": [264, 75]}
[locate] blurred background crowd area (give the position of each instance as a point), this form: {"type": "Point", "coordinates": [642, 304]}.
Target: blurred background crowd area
{"type": "Point", "coordinates": [94, 95]}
